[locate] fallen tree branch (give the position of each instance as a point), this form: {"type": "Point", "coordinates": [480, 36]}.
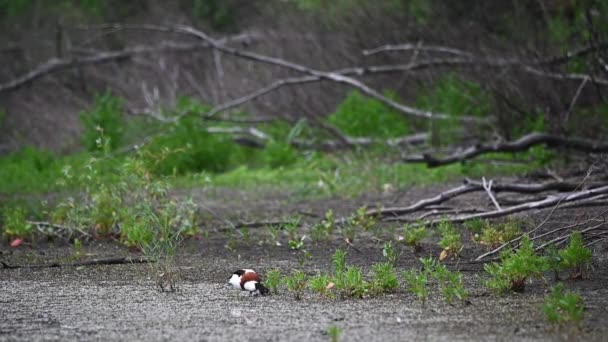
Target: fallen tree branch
{"type": "Point", "coordinates": [549, 201]}
{"type": "Point", "coordinates": [472, 186]}
{"type": "Point", "coordinates": [522, 144]}
{"type": "Point", "coordinates": [93, 262]}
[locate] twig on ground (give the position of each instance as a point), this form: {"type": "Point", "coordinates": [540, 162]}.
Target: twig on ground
{"type": "Point", "coordinates": [487, 186]}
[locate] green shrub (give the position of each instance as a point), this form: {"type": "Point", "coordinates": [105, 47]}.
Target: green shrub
{"type": "Point", "coordinates": [296, 283]}
{"type": "Point", "coordinates": [515, 268]}
{"type": "Point", "coordinates": [450, 240]}
{"type": "Point", "coordinates": [450, 283]}
{"type": "Point", "coordinates": [414, 236]}
{"type": "Point", "coordinates": [278, 154]}
{"type": "Point", "coordinates": [416, 282]}
{"type": "Point", "coordinates": [351, 283]}
{"type": "Point", "coordinates": [15, 224]}
{"type": "Point", "coordinates": [188, 147]}
{"type": "Point", "coordinates": [103, 124]}
{"type": "Point", "coordinates": [136, 231]}
{"type": "Point", "coordinates": [575, 256]}
{"type": "Point", "coordinates": [384, 278]}
{"type": "Point", "coordinates": [273, 280]}
{"type": "Point", "coordinates": [319, 284]}
{"type": "Point", "coordinates": [359, 116]}
{"type": "Point", "coordinates": [562, 307]}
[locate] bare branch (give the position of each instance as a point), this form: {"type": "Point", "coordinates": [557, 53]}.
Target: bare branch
{"type": "Point", "coordinates": [522, 144]}
{"type": "Point", "coordinates": [417, 47]}
{"type": "Point", "coordinates": [547, 202]}
{"type": "Point", "coordinates": [487, 186]}
{"type": "Point", "coordinates": [473, 186]}
{"type": "Point", "coordinates": [54, 65]}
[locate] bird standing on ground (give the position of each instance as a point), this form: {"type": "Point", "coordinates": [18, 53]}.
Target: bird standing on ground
{"type": "Point", "coordinates": [248, 280]}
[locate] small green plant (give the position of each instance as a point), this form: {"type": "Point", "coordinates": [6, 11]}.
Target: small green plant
{"type": "Point", "coordinates": [416, 282]}
{"type": "Point", "coordinates": [244, 233]}
{"type": "Point", "coordinates": [339, 262]}
{"type": "Point", "coordinates": [296, 283]}
{"type": "Point", "coordinates": [319, 284]}
{"type": "Point", "coordinates": [494, 235]}
{"type": "Point", "coordinates": [274, 232]}
{"type": "Point", "coordinates": [334, 333]}
{"type": "Point", "coordinates": [515, 268]}
{"type": "Point", "coordinates": [291, 227]}
{"type": "Point", "coordinates": [78, 246]}
{"type": "Point", "coordinates": [490, 237]}
{"type": "Point", "coordinates": [15, 224]}
{"type": "Point", "coordinates": [576, 256]}
{"type": "Point", "coordinates": [563, 307]}
{"type": "Point", "coordinates": [384, 278]}
{"type": "Point", "coordinates": [362, 220]}
{"type": "Point", "coordinates": [322, 231]}
{"type": "Point", "coordinates": [348, 280]}
{"type": "Point", "coordinates": [450, 240]}
{"type": "Point", "coordinates": [303, 256]}
{"type": "Point", "coordinates": [510, 230]}
{"type": "Point", "coordinates": [389, 253]}
{"type": "Point", "coordinates": [414, 236]}
{"type": "Point", "coordinates": [297, 244]}
{"type": "Point", "coordinates": [351, 283]}
{"type": "Point", "coordinates": [476, 226]}
{"type": "Point", "coordinates": [273, 280]}
{"type": "Point", "coordinates": [450, 283]}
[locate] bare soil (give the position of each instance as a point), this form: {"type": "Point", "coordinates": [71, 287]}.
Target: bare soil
{"type": "Point", "coordinates": [122, 302]}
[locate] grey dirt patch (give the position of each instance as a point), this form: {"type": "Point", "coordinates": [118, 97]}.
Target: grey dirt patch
{"type": "Point", "coordinates": [121, 303]}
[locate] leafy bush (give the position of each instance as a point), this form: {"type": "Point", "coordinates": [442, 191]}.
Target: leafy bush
{"type": "Point", "coordinates": [15, 224]}
{"type": "Point", "coordinates": [515, 268]}
{"type": "Point", "coordinates": [417, 284]}
{"type": "Point", "coordinates": [319, 284]}
{"type": "Point", "coordinates": [562, 307]}
{"type": "Point", "coordinates": [29, 169]}
{"type": "Point", "coordinates": [450, 240]}
{"type": "Point", "coordinates": [361, 116]}
{"type": "Point", "coordinates": [323, 231]}
{"type": "Point", "coordinates": [273, 280]}
{"type": "Point", "coordinates": [277, 154]}
{"type": "Point", "coordinates": [384, 278]}
{"type": "Point", "coordinates": [389, 253]}
{"type": "Point", "coordinates": [296, 283]}
{"type": "Point", "coordinates": [414, 236]}
{"type": "Point", "coordinates": [188, 147]}
{"type": "Point", "coordinates": [351, 283]}
{"type": "Point", "coordinates": [103, 124]}
{"type": "Point", "coordinates": [450, 283]}
{"type": "Point", "coordinates": [136, 231]}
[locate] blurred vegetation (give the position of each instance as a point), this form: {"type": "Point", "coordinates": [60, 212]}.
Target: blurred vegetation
{"type": "Point", "coordinates": [360, 116]}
